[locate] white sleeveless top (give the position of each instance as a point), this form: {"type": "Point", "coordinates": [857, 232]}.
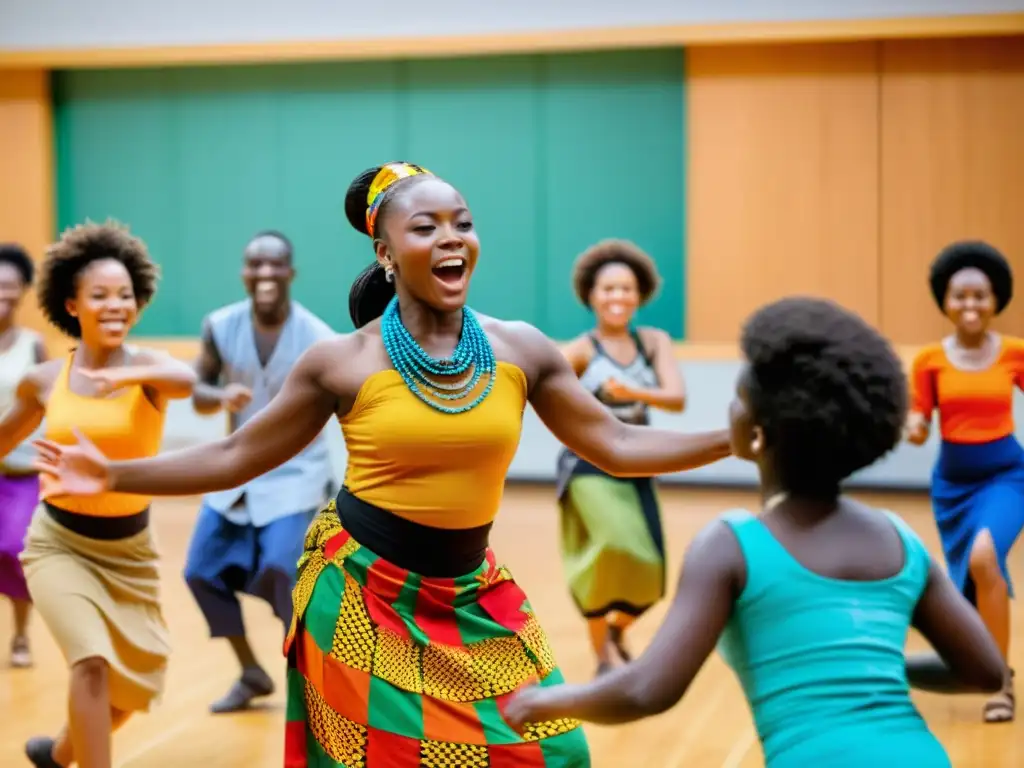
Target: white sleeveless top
{"type": "Point", "coordinates": [14, 364]}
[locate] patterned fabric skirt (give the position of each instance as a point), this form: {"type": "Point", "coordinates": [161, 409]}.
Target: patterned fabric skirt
{"type": "Point", "coordinates": [613, 547]}
{"type": "Point", "coordinates": [389, 669]}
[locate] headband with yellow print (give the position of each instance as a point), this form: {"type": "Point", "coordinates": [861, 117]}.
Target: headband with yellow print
{"type": "Point", "coordinates": [386, 177]}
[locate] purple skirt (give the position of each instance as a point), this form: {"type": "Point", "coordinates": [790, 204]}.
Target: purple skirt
{"type": "Point", "coordinates": [19, 496]}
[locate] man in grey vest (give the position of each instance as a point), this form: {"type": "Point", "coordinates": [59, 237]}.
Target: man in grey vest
{"type": "Point", "coordinates": [249, 539]}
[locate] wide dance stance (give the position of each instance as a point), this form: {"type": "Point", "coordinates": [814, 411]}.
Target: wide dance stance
{"type": "Point", "coordinates": [408, 637]}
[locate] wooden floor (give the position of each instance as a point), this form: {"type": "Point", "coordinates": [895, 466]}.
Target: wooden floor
{"type": "Point", "coordinates": [711, 727]}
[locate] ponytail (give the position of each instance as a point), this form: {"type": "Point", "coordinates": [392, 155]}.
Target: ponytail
{"type": "Point", "coordinates": [365, 199]}
{"type": "Point", "coordinates": [370, 295]}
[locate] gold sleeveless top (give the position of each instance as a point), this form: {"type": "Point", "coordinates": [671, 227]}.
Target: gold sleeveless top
{"type": "Point", "coordinates": [125, 425]}
{"type": "Point", "coordinates": [436, 469]}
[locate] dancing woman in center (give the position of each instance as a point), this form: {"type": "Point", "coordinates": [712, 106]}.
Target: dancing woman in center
{"type": "Point", "coordinates": [408, 636]}
{"type": "Point", "coordinates": [613, 547]}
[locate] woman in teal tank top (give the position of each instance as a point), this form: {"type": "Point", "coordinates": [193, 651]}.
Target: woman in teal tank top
{"type": "Point", "coordinates": [809, 602]}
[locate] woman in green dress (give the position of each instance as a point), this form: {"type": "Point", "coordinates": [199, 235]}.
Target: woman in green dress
{"type": "Point", "coordinates": [612, 544]}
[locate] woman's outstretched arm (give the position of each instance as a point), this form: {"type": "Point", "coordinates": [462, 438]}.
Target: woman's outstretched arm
{"type": "Point", "coordinates": [589, 429]}
{"type": "Point", "coordinates": [277, 433]}
{"type": "Point", "coordinates": [968, 659]}
{"type": "Point", "coordinates": [713, 569]}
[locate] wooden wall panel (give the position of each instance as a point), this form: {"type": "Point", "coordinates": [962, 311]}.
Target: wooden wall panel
{"type": "Point", "coordinates": [952, 143]}
{"type": "Point", "coordinates": [26, 195]}
{"type": "Point", "coordinates": [783, 180]}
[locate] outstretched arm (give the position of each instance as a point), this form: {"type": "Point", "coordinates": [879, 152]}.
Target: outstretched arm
{"type": "Point", "coordinates": [968, 659]}
{"type": "Point", "coordinates": [161, 374]}
{"type": "Point", "coordinates": [287, 425]}
{"type": "Point", "coordinates": [589, 430]}
{"type": "Point", "coordinates": [712, 571]}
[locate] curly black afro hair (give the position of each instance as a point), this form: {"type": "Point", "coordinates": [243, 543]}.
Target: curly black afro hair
{"type": "Point", "coordinates": [17, 257]}
{"type": "Point", "coordinates": [79, 247]}
{"type": "Point", "coordinates": [827, 389]}
{"type": "Point", "coordinates": [972, 254]}
{"type": "Point", "coordinates": [592, 260]}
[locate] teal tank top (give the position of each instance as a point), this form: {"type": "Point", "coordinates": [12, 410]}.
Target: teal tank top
{"type": "Point", "coordinates": [821, 661]}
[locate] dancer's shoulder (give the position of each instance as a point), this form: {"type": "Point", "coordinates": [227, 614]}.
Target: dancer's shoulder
{"type": "Point", "coordinates": [39, 380]}
{"type": "Point", "coordinates": [929, 357]}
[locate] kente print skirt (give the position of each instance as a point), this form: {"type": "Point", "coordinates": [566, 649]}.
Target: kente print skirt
{"type": "Point", "coordinates": [389, 669]}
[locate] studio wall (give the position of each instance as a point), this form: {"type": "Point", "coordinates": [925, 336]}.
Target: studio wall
{"type": "Point", "coordinates": [553, 153]}
{"type": "Point", "coordinates": [26, 167]}
{"type": "Point", "coordinates": [830, 168]}
{"type": "Point", "coordinates": [952, 160]}
{"type": "Point", "coordinates": [841, 170]}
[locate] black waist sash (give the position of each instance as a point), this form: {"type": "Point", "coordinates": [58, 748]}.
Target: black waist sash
{"type": "Point", "coordinates": [100, 528]}
{"type": "Point", "coordinates": [433, 552]}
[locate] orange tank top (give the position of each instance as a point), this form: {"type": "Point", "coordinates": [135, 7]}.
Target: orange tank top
{"type": "Point", "coordinates": [125, 425]}
{"type": "Point", "coordinates": [974, 406]}
{"type": "Point", "coordinates": [436, 469]}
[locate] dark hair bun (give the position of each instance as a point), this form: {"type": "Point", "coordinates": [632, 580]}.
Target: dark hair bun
{"type": "Point", "coordinates": [355, 198]}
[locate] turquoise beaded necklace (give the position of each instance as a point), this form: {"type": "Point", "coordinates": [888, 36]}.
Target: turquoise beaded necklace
{"type": "Point", "coordinates": [472, 359]}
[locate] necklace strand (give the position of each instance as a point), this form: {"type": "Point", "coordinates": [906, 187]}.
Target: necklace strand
{"type": "Point", "coordinates": [472, 360]}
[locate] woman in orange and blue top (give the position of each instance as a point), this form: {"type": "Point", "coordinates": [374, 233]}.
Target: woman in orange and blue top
{"type": "Point", "coordinates": [408, 636]}
{"type": "Point", "coordinates": [89, 560]}
{"type": "Point", "coordinates": [978, 481]}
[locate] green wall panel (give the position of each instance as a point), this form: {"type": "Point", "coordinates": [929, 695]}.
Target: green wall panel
{"type": "Point", "coordinates": [551, 152]}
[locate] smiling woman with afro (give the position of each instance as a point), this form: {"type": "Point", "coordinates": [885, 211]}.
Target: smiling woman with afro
{"type": "Point", "coordinates": [612, 540]}
{"type": "Point", "coordinates": [977, 486]}
{"type": "Point", "coordinates": [89, 559]}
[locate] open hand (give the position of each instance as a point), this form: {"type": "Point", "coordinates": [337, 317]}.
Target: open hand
{"type": "Point", "coordinates": [106, 380]}
{"type": "Point", "coordinates": [525, 707]}
{"type": "Point", "coordinates": [236, 397]}
{"type": "Point", "coordinates": [79, 470]}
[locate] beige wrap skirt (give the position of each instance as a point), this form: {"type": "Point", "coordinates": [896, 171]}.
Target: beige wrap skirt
{"type": "Point", "coordinates": [101, 599]}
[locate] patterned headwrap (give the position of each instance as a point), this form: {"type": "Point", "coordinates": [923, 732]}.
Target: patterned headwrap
{"type": "Point", "coordinates": [384, 180]}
